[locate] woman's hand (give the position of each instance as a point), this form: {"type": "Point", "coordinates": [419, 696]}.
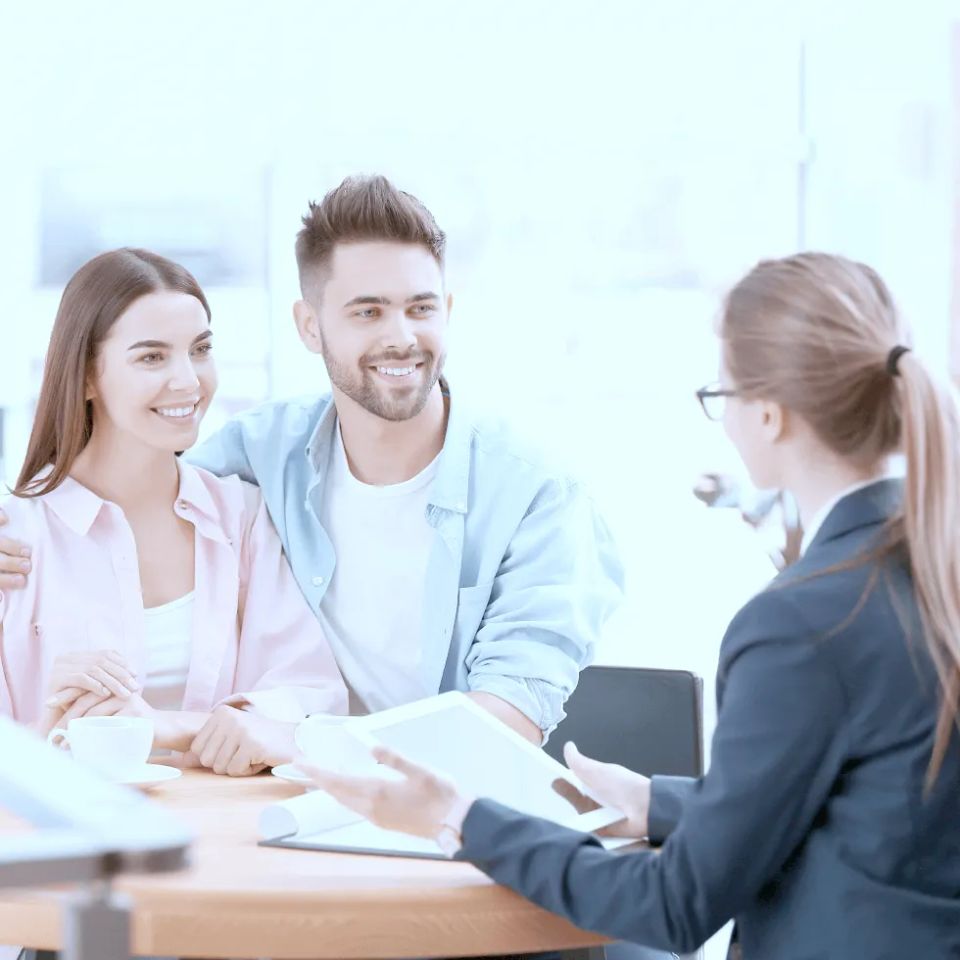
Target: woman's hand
{"type": "Point", "coordinates": [93, 705]}
{"type": "Point", "coordinates": [103, 673]}
{"type": "Point", "coordinates": [613, 786]}
{"type": "Point", "coordinates": [416, 802]}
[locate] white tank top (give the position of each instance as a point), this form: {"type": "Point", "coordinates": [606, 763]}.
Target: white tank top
{"type": "Point", "coordinates": [169, 641]}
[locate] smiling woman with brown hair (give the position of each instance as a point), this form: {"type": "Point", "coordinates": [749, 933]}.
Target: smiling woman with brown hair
{"type": "Point", "coordinates": [157, 589]}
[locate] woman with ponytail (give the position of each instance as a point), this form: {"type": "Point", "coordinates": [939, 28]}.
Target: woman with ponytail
{"type": "Point", "coordinates": [828, 825]}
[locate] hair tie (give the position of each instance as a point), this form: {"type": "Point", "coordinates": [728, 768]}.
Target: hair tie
{"type": "Point", "coordinates": [893, 358]}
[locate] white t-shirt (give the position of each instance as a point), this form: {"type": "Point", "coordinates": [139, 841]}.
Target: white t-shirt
{"type": "Point", "coordinates": [373, 609]}
{"type": "Point", "coordinates": [169, 640]}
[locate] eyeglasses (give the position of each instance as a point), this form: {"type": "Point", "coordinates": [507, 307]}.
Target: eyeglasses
{"type": "Point", "coordinates": [713, 399]}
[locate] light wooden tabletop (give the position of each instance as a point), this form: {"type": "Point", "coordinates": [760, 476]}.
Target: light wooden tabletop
{"type": "Point", "coordinates": [241, 900]}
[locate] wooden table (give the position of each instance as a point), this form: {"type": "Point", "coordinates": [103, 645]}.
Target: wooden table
{"type": "Point", "coordinates": [241, 900]}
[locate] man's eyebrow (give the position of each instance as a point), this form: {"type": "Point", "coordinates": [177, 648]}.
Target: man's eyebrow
{"type": "Point", "coordinates": [382, 301]}
{"type": "Point", "coordinates": [385, 301]}
{"type": "Point", "coordinates": [161, 345]}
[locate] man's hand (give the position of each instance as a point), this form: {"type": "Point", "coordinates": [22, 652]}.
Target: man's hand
{"type": "Point", "coordinates": [613, 786]}
{"type": "Point", "coordinates": [240, 743]}
{"type": "Point", "coordinates": [14, 561]}
{"type": "Point", "coordinates": [415, 802]}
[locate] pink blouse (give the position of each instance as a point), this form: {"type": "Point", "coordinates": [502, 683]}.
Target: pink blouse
{"type": "Point", "coordinates": [254, 636]}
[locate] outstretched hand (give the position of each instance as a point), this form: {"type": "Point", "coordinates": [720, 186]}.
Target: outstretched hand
{"type": "Point", "coordinates": [413, 800]}
{"type": "Point", "coordinates": [612, 786]}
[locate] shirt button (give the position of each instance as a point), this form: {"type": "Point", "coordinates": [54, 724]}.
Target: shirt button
{"type": "Point", "coordinates": [317, 581]}
{"type": "Point", "coordinates": [182, 504]}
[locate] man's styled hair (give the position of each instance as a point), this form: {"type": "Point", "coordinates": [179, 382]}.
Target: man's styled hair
{"type": "Point", "coordinates": [361, 209]}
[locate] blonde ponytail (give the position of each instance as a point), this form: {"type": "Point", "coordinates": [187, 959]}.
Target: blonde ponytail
{"type": "Point", "coordinates": [930, 429]}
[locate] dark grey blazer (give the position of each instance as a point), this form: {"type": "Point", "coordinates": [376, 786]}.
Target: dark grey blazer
{"type": "Point", "coordinates": [811, 827]}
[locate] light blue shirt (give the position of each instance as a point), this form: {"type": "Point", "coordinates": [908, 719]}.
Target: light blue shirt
{"type": "Point", "coordinates": [523, 572]}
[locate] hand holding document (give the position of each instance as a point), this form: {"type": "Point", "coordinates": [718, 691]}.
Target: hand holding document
{"type": "Point", "coordinates": [450, 736]}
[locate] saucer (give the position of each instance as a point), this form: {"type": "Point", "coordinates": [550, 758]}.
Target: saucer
{"type": "Point", "coordinates": [148, 775]}
{"type": "Point", "coordinates": [292, 774]}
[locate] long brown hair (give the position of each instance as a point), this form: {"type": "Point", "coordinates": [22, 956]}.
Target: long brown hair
{"type": "Point", "coordinates": [814, 333]}
{"type": "Point", "coordinates": [96, 296]}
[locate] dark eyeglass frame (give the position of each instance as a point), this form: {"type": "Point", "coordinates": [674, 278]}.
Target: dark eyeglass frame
{"type": "Point", "coordinates": [710, 392]}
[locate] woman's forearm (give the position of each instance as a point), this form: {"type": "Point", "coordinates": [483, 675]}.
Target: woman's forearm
{"type": "Point", "coordinates": [177, 729]}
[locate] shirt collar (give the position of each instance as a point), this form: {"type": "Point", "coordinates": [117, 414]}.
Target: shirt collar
{"type": "Point", "coordinates": [450, 487]}
{"type": "Point", "coordinates": [450, 490]}
{"type": "Point", "coordinates": [317, 450]}
{"type": "Point", "coordinates": [195, 503]}
{"type": "Point", "coordinates": [813, 528]}
{"type": "Point", "coordinates": [78, 506]}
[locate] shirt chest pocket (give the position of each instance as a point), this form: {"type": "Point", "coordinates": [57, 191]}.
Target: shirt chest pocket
{"type": "Point", "coordinates": [83, 630]}
{"type": "Point", "coordinates": [472, 604]}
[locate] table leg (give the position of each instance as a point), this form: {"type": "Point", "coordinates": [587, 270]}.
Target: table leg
{"type": "Point", "coordinates": [97, 926]}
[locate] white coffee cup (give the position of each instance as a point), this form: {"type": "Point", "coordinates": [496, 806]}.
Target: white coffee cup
{"type": "Point", "coordinates": [114, 747]}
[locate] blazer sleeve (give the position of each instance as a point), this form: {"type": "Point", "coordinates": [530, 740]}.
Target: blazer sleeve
{"type": "Point", "coordinates": [285, 667]}
{"type": "Point", "coordinates": [668, 797]}
{"type": "Point", "coordinates": [780, 741]}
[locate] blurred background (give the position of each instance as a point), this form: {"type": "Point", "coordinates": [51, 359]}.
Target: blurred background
{"type": "Point", "coordinates": [604, 172]}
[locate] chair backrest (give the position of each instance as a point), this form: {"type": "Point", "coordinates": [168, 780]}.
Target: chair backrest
{"type": "Point", "coordinates": [648, 720]}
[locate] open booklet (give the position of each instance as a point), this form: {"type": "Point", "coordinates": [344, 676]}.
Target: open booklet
{"type": "Point", "coordinates": [450, 734]}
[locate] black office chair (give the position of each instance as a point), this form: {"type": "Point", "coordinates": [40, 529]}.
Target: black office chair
{"type": "Point", "coordinates": [647, 720]}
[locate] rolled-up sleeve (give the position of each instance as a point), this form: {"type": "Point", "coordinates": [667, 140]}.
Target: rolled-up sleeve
{"type": "Point", "coordinates": [556, 587]}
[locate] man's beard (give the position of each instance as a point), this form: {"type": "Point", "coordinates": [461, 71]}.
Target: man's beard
{"type": "Point", "coordinates": [361, 385]}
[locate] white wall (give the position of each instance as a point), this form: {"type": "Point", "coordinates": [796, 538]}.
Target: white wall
{"type": "Point", "coordinates": [603, 174]}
